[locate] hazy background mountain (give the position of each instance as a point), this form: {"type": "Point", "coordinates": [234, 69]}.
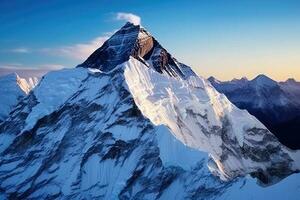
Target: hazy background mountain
{"type": "Point", "coordinates": [276, 104]}
{"type": "Point", "coordinates": [132, 122]}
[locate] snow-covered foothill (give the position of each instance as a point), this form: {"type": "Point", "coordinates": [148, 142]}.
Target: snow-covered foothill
{"type": "Point", "coordinates": [54, 89]}
{"type": "Point", "coordinates": [12, 89]}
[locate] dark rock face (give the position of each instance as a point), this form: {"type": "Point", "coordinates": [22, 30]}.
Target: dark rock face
{"type": "Point", "coordinates": [143, 45]}
{"type": "Point", "coordinates": [133, 40]}
{"type": "Point", "coordinates": [114, 51]}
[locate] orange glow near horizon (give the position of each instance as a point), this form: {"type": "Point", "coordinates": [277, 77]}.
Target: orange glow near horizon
{"type": "Point", "coordinates": [279, 67]}
{"type": "Point", "coordinates": [229, 73]}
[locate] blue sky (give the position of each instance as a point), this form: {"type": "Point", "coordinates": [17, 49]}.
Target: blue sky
{"type": "Point", "coordinates": [224, 38]}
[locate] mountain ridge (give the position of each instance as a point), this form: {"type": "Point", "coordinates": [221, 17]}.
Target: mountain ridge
{"type": "Point", "coordinates": [142, 46]}
{"type": "Point", "coordinates": [276, 104]}
{"type": "Point", "coordinates": [145, 128]}
{"type": "Point", "coordinates": [290, 79]}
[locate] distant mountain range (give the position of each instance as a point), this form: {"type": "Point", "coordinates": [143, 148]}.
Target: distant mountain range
{"type": "Point", "coordinates": [132, 122]}
{"type": "Point", "coordinates": [276, 104]}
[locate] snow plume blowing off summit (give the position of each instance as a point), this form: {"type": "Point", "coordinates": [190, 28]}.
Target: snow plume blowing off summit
{"type": "Point", "coordinates": [132, 122]}
{"type": "Point", "coordinates": [132, 18]}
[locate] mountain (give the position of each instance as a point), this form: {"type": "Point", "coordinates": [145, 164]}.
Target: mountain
{"type": "Point", "coordinates": [276, 104]}
{"type": "Point", "coordinates": [12, 90]}
{"type": "Point", "coordinates": [132, 122]}
{"type": "Point", "coordinates": [292, 90]}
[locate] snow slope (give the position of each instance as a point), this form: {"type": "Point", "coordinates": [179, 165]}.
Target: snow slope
{"type": "Point", "coordinates": [132, 122]}
{"type": "Point", "coordinates": [12, 90]}
{"type": "Point", "coordinates": [53, 91]}
{"type": "Point", "coordinates": [96, 144]}
{"type": "Point", "coordinates": [203, 119]}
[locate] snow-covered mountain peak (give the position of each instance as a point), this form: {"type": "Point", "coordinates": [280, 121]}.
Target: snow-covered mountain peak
{"type": "Point", "coordinates": [134, 40]}
{"type": "Point", "coordinates": [263, 80]}
{"type": "Point", "coordinates": [132, 122]}
{"type": "Point", "coordinates": [242, 80]}
{"type": "Point", "coordinates": [291, 81]}
{"type": "Point", "coordinates": [213, 79]}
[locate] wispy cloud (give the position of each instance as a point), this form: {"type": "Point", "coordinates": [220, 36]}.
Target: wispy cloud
{"type": "Point", "coordinates": [20, 50]}
{"type": "Point", "coordinates": [130, 17]}
{"type": "Point", "coordinates": [10, 65]}
{"type": "Point", "coordinates": [48, 66]}
{"type": "Point", "coordinates": [78, 51]}
{"type": "Point", "coordinates": [51, 66]}
{"type": "Point", "coordinates": [25, 71]}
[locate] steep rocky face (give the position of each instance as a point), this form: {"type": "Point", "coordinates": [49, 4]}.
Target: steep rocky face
{"type": "Point", "coordinates": [135, 41]}
{"type": "Point", "coordinates": [115, 50]}
{"type": "Point", "coordinates": [130, 123]}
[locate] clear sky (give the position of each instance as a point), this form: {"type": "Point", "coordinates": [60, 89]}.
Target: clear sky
{"type": "Point", "coordinates": [223, 38]}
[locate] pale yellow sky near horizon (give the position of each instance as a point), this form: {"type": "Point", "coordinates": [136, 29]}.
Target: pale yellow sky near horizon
{"type": "Point", "coordinates": [229, 73]}
{"type": "Point", "coordinates": [226, 65]}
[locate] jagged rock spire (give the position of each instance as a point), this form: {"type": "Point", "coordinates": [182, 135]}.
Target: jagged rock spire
{"type": "Point", "coordinates": [134, 40]}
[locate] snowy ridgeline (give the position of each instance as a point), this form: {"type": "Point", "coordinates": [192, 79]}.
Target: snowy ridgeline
{"type": "Point", "coordinates": [262, 92]}
{"type": "Point", "coordinates": [195, 112]}
{"type": "Point", "coordinates": [143, 129]}
{"type": "Point", "coordinates": [182, 146]}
